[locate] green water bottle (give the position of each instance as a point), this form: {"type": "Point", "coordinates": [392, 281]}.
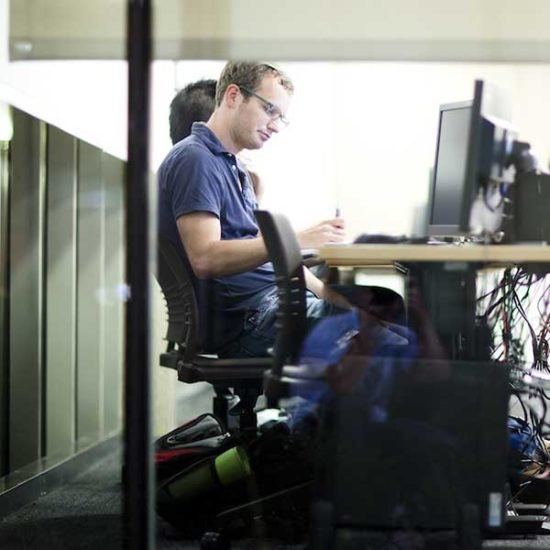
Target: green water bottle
{"type": "Point", "coordinates": [230, 466]}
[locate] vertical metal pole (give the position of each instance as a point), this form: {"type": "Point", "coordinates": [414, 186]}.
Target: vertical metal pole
{"type": "Point", "coordinates": [4, 306]}
{"type": "Point", "coordinates": [138, 502]}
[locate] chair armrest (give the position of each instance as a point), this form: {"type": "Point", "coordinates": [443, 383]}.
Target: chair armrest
{"type": "Point", "coordinates": [224, 371]}
{"type": "Point", "coordinates": [170, 359]}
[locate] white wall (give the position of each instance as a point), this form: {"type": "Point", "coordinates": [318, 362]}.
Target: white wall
{"type": "Point", "coordinates": [85, 98]}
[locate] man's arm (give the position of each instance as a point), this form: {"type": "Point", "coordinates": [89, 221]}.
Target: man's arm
{"type": "Point", "coordinates": [321, 290]}
{"type": "Point", "coordinates": [200, 233]}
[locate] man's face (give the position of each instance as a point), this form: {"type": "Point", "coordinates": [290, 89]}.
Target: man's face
{"type": "Point", "coordinates": [257, 118]}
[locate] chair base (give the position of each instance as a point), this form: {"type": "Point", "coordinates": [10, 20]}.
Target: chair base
{"type": "Point", "coordinates": [235, 406]}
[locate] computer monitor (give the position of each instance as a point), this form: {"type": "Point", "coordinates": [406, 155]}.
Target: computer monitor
{"type": "Point", "coordinates": [489, 160]}
{"type": "Point", "coordinates": [449, 173]}
{"type": "Point", "coordinates": [474, 144]}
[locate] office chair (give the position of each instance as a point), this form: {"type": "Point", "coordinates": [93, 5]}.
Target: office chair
{"type": "Point", "coordinates": [283, 498]}
{"type": "Point", "coordinates": [286, 377]}
{"type": "Point", "coordinates": [229, 377]}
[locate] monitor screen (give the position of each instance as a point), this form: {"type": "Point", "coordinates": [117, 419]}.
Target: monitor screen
{"type": "Point", "coordinates": [450, 169]}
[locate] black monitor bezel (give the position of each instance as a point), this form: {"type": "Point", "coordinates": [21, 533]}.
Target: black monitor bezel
{"type": "Point", "coordinates": [470, 185]}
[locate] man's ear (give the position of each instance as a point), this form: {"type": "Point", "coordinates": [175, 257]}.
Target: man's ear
{"type": "Point", "coordinates": [232, 95]}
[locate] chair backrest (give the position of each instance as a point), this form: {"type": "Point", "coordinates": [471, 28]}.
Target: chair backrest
{"type": "Point", "coordinates": [183, 314]}
{"type": "Point", "coordinates": [177, 286]}
{"type": "Point", "coordinates": [284, 252]}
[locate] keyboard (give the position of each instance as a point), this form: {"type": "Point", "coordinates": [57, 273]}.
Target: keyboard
{"type": "Point", "coordinates": [383, 238]}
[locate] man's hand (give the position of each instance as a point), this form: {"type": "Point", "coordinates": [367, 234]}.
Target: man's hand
{"type": "Point", "coordinates": [328, 231]}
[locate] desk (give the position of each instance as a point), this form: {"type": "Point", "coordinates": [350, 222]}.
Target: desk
{"type": "Point", "coordinates": [359, 255]}
{"type": "Point", "coordinates": [446, 276]}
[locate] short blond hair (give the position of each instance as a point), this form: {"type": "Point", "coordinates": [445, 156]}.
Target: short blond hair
{"type": "Point", "coordinates": [249, 74]}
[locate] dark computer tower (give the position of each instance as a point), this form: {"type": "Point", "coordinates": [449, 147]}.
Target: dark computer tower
{"type": "Point", "coordinates": [434, 458]}
{"type": "Point", "coordinates": [527, 210]}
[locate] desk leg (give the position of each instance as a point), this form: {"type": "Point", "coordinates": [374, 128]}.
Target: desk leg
{"type": "Point", "coordinates": [448, 293]}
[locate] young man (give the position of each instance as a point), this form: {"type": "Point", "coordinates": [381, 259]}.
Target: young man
{"type": "Point", "coordinates": [196, 103]}
{"type": "Point", "coordinates": [206, 206]}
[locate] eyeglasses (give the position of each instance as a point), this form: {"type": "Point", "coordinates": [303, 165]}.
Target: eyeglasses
{"type": "Point", "coordinates": [271, 110]}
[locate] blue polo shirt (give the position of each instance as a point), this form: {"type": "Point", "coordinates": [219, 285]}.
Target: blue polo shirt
{"type": "Point", "coordinates": [200, 175]}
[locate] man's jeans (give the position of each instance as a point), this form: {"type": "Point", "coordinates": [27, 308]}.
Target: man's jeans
{"type": "Point", "coordinates": [259, 331]}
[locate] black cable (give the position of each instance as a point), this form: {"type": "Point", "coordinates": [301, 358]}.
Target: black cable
{"type": "Point", "coordinates": [486, 201]}
{"type": "Point", "coordinates": [522, 404]}
{"type": "Point", "coordinates": [505, 313]}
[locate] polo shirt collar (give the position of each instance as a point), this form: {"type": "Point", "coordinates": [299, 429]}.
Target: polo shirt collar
{"type": "Point", "coordinates": [201, 130]}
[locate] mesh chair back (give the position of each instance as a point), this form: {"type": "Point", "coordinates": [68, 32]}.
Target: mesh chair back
{"type": "Point", "coordinates": [181, 303]}
{"type": "Point", "coordinates": [284, 252]}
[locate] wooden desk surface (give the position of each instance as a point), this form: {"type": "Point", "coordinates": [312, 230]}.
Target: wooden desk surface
{"type": "Point", "coordinates": [369, 254]}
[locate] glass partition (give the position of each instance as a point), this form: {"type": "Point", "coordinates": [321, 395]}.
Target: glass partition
{"type": "Point", "coordinates": [4, 284]}
{"type": "Point", "coordinates": [404, 434]}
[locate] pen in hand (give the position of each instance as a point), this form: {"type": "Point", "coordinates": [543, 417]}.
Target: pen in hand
{"type": "Point", "coordinates": [337, 215]}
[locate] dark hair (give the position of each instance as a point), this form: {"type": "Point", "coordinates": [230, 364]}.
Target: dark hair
{"type": "Point", "coordinates": [194, 103]}
{"type": "Point", "coordinates": [249, 74]}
